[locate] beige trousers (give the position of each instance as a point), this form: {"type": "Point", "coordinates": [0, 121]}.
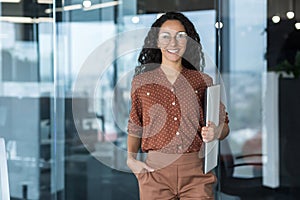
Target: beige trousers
{"type": "Point", "coordinates": [175, 177]}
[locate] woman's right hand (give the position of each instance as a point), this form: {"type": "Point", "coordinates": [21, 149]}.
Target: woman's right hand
{"type": "Point", "coordinates": [137, 166]}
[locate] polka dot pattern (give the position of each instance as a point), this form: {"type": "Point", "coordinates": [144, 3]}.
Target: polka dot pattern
{"type": "Point", "coordinates": [168, 117]}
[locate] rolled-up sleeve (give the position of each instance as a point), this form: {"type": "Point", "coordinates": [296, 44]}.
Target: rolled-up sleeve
{"type": "Point", "coordinates": [135, 125]}
{"type": "Point", "coordinates": [223, 115]}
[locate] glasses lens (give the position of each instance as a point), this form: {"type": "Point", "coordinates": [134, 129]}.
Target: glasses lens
{"type": "Point", "coordinates": [181, 36]}
{"type": "Point", "coordinates": [164, 38]}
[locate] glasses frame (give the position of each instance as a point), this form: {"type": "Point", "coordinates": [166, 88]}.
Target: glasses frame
{"type": "Point", "coordinates": [180, 37]}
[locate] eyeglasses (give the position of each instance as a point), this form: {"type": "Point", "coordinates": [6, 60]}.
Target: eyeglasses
{"type": "Point", "coordinates": [165, 37]}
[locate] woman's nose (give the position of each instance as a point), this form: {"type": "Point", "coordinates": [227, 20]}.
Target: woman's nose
{"type": "Point", "coordinates": [173, 41]}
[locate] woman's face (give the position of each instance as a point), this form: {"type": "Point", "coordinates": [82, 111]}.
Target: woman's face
{"type": "Point", "coordinates": [172, 40]}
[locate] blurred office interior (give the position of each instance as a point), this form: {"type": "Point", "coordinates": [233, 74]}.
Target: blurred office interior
{"type": "Point", "coordinates": [64, 119]}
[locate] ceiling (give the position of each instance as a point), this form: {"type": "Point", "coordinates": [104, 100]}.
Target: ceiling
{"type": "Point", "coordinates": [37, 8]}
{"type": "Point", "coordinates": [34, 8]}
{"type": "Point", "coordinates": [280, 7]}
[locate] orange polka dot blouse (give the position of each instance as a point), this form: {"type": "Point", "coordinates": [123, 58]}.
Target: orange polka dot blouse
{"type": "Point", "coordinates": [168, 117]}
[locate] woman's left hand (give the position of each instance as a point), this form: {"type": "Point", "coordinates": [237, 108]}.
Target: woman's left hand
{"type": "Point", "coordinates": [209, 132]}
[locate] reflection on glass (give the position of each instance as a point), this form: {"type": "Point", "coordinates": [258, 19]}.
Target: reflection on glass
{"type": "Point", "coordinates": [242, 150]}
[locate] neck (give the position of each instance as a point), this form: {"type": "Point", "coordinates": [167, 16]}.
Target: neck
{"type": "Point", "coordinates": [171, 70]}
{"type": "Point", "coordinates": [172, 66]}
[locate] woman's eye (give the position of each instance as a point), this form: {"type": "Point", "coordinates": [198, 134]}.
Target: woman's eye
{"type": "Point", "coordinates": [181, 35]}
{"type": "Point", "coordinates": [165, 36]}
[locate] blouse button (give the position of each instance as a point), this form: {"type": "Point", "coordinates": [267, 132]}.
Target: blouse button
{"type": "Point", "coordinates": [175, 118]}
{"type": "Point", "coordinates": [173, 103]}
{"type": "Point", "coordinates": [172, 90]}
{"type": "Point", "coordinates": [196, 91]}
{"type": "Point", "coordinates": [148, 93]}
{"type": "Point", "coordinates": [177, 133]}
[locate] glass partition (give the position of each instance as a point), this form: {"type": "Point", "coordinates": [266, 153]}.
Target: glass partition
{"type": "Point", "coordinates": [244, 41]}
{"type": "Point", "coordinates": [26, 93]}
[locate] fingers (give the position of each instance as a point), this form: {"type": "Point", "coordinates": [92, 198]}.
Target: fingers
{"type": "Point", "coordinates": [140, 167]}
{"type": "Point", "coordinates": [144, 168]}
{"type": "Point", "coordinates": [211, 124]}
{"type": "Point", "coordinates": [207, 133]}
{"type": "Point", "coordinates": [148, 168]}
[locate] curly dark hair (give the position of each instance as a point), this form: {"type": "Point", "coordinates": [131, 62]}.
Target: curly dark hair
{"type": "Point", "coordinates": [150, 57]}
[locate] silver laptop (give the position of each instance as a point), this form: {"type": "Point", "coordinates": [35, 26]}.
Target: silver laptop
{"type": "Point", "coordinates": [212, 106]}
{"type": "Point", "coordinates": [4, 187]}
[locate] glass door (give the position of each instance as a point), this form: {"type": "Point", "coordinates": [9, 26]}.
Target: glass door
{"type": "Point", "coordinates": [26, 91]}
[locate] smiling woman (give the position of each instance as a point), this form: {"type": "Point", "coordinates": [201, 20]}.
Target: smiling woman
{"type": "Point", "coordinates": [167, 117]}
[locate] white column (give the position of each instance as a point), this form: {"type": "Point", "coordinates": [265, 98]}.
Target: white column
{"type": "Point", "coordinates": [270, 140]}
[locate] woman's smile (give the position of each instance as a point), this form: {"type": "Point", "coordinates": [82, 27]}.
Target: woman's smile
{"type": "Point", "coordinates": [173, 51]}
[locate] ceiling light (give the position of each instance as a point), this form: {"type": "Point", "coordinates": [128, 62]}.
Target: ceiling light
{"type": "Point", "coordinates": [10, 1]}
{"type": "Point", "coordinates": [81, 6]}
{"type": "Point", "coordinates": [102, 5]}
{"type": "Point", "coordinates": [297, 25]}
{"type": "Point", "coordinates": [16, 19]}
{"type": "Point", "coordinates": [72, 7]}
{"type": "Point", "coordinates": [25, 20]}
{"type": "Point", "coordinates": [45, 1]}
{"type": "Point", "coordinates": [290, 15]}
{"type": "Point", "coordinates": [276, 19]}
{"type": "Point", "coordinates": [65, 8]}
{"type": "Point", "coordinates": [86, 3]}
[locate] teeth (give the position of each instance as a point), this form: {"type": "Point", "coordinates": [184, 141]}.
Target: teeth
{"type": "Point", "coordinates": [173, 51]}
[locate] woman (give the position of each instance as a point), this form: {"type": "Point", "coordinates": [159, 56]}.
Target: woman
{"type": "Point", "coordinates": [166, 118]}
